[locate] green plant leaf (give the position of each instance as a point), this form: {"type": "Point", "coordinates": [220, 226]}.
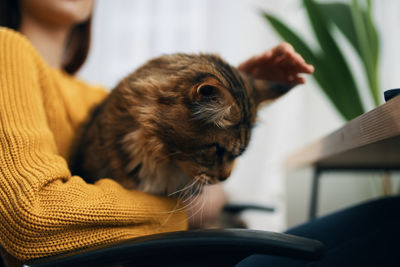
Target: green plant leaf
{"type": "Point", "coordinates": [357, 26]}
{"type": "Point", "coordinates": [335, 63]}
{"type": "Point", "coordinates": [368, 47]}
{"type": "Point", "coordinates": [322, 74]}
{"type": "Point", "coordinates": [372, 32]}
{"type": "Point", "coordinates": [340, 15]}
{"type": "Point", "coordinates": [373, 40]}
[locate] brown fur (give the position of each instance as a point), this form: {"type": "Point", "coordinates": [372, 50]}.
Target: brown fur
{"type": "Point", "coordinates": [176, 123]}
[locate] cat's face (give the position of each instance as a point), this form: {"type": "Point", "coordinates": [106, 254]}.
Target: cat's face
{"type": "Point", "coordinates": [193, 116]}
{"type": "Point", "coordinates": [221, 117]}
{"type": "Point", "coordinates": [197, 112]}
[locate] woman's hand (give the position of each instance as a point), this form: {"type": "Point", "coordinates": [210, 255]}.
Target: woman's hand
{"type": "Point", "coordinates": [280, 64]}
{"type": "Point", "coordinates": [203, 210]}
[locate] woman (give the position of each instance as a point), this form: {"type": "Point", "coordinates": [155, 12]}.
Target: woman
{"type": "Point", "coordinates": [45, 210]}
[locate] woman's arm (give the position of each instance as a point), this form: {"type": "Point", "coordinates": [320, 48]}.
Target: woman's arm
{"type": "Point", "coordinates": [43, 209]}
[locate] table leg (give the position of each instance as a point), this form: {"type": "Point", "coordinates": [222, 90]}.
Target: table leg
{"type": "Point", "coordinates": [314, 194]}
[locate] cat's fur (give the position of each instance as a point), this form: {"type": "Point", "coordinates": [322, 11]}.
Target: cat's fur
{"type": "Point", "coordinates": [176, 123]}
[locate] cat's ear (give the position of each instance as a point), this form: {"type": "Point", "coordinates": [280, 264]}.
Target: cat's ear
{"type": "Point", "coordinates": [266, 91]}
{"type": "Point", "coordinates": [213, 103]}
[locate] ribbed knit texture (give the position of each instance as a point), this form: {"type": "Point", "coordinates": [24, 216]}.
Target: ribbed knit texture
{"type": "Point", "coordinates": [43, 209]}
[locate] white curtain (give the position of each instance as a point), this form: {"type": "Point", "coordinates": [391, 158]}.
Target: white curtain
{"type": "Point", "coordinates": [126, 33]}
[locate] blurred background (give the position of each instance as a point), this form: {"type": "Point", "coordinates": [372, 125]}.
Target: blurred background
{"type": "Point", "coordinates": [126, 33]}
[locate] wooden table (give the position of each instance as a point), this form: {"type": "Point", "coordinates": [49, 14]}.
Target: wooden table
{"type": "Point", "coordinates": [370, 141]}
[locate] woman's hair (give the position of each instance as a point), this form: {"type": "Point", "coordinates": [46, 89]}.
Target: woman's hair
{"type": "Point", "coordinates": [78, 43]}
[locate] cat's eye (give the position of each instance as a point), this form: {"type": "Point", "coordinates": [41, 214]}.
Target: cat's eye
{"type": "Point", "coordinates": [220, 151]}
{"type": "Point", "coordinates": [213, 149]}
{"type": "Point", "coordinates": [207, 90]}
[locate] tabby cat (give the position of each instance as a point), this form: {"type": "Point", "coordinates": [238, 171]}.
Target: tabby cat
{"type": "Point", "coordinates": [175, 124]}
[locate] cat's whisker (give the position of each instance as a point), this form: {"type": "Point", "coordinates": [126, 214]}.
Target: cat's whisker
{"type": "Point", "coordinates": [197, 186]}
{"type": "Point", "coordinates": [203, 178]}
{"type": "Point", "coordinates": [185, 206]}
{"type": "Point", "coordinates": [191, 200]}
{"type": "Point", "coordinates": [171, 213]}
{"type": "Point", "coordinates": [197, 190]}
{"type": "Point", "coordinates": [187, 195]}
{"type": "Point", "coordinates": [193, 190]}
{"type": "Point", "coordinates": [182, 201]}
{"type": "Point", "coordinates": [183, 189]}
{"type": "Point", "coordinates": [183, 195]}
{"type": "Point", "coordinates": [202, 207]}
{"type": "Point", "coordinates": [199, 210]}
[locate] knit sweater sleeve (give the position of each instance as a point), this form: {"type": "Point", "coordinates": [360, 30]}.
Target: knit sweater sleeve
{"type": "Point", "coordinates": [43, 209]}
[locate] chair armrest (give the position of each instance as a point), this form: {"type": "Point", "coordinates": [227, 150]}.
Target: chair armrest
{"type": "Point", "coordinates": [190, 248]}
{"type": "Point", "coordinates": [238, 208]}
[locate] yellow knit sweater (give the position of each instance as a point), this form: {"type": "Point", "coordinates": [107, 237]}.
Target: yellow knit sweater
{"type": "Point", "coordinates": [43, 209]}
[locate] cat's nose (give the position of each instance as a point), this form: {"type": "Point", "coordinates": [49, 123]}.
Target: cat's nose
{"type": "Point", "coordinates": [222, 178]}
{"type": "Point", "coordinates": [224, 175]}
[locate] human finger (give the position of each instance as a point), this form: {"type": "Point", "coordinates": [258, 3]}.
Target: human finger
{"type": "Point", "coordinates": [294, 63]}
{"type": "Point", "coordinates": [301, 64]}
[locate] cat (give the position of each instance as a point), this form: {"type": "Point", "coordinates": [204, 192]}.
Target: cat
{"type": "Point", "coordinates": [174, 125]}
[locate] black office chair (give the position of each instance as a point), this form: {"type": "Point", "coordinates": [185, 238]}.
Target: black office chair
{"type": "Point", "coordinates": [189, 248]}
